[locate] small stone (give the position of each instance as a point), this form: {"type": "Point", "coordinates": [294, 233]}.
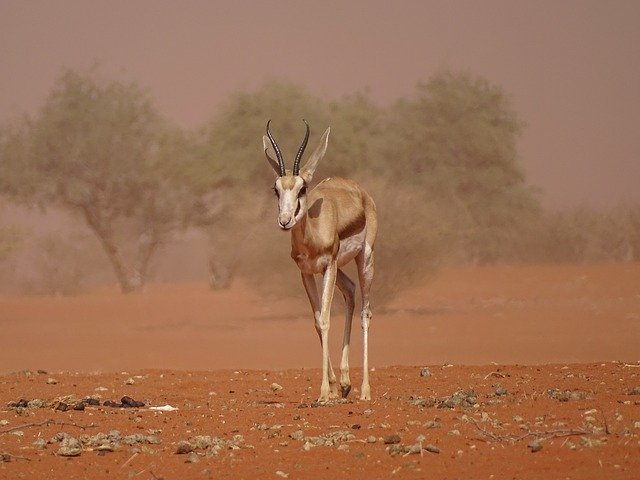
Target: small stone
{"type": "Point", "coordinates": [129, 402]}
{"type": "Point", "coordinates": [282, 474]}
{"type": "Point", "coordinates": [40, 443]}
{"type": "Point", "coordinates": [371, 439]}
{"type": "Point", "coordinates": [344, 447]}
{"type": "Point", "coordinates": [297, 435]}
{"type": "Point", "coordinates": [535, 446]}
{"type": "Point", "coordinates": [391, 439]}
{"type": "Point", "coordinates": [129, 381]}
{"type": "Point", "coordinates": [425, 372]}
{"type": "Point", "coordinates": [501, 391]}
{"type": "Point", "coordinates": [184, 447]}
{"type": "Point", "coordinates": [69, 447]}
{"type": "Point", "coordinates": [275, 387]}
{"type": "Point", "coordinates": [37, 403]}
{"type": "Point", "coordinates": [432, 448]}
{"type": "Point", "coordinates": [192, 457]}
{"type": "Point", "coordinates": [51, 381]}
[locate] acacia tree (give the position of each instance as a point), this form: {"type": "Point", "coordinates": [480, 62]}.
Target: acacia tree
{"type": "Point", "coordinates": [457, 139]}
{"type": "Point", "coordinates": [101, 150]}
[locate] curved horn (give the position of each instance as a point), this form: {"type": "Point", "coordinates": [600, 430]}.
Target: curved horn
{"type": "Point", "coordinates": [277, 150]}
{"type": "Point", "coordinates": [296, 162]}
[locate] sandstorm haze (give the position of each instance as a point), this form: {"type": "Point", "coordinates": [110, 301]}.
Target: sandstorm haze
{"type": "Point", "coordinates": [571, 69]}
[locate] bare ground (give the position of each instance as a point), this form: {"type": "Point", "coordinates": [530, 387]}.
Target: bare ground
{"type": "Point", "coordinates": [533, 373]}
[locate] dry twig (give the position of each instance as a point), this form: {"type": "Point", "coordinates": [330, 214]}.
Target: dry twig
{"type": "Point", "coordinates": [537, 434]}
{"type": "Point", "coordinates": [47, 423]}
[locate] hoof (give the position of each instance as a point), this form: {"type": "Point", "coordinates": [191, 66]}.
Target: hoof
{"type": "Point", "coordinates": [365, 394]}
{"type": "Point", "coordinates": [345, 390]}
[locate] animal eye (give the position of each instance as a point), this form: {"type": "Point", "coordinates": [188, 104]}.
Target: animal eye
{"type": "Point", "coordinates": [303, 191]}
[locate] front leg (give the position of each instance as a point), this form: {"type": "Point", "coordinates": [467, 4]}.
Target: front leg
{"type": "Point", "coordinates": [328, 285]}
{"type": "Point", "coordinates": [311, 288]}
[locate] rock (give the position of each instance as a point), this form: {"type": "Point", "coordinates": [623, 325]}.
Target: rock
{"type": "Point", "coordinates": [425, 372]}
{"type": "Point", "coordinates": [391, 439]}
{"type": "Point", "coordinates": [69, 447]}
{"type": "Point", "coordinates": [461, 398]}
{"type": "Point", "coordinates": [371, 439]}
{"type": "Point", "coordinates": [422, 402]}
{"type": "Point", "coordinates": [501, 391]}
{"type": "Point", "coordinates": [432, 448]}
{"type": "Point", "coordinates": [634, 391]}
{"type": "Point", "coordinates": [184, 447]}
{"type": "Point", "coordinates": [535, 446]}
{"type": "Point", "coordinates": [22, 403]}
{"type": "Point", "coordinates": [275, 387]}
{"type": "Point", "coordinates": [40, 444]}
{"type": "Point", "coordinates": [297, 435]}
{"type": "Point", "coordinates": [129, 402]}
{"type": "Point", "coordinates": [192, 457]}
{"type": "Point", "coordinates": [38, 403]}
{"type": "Point", "coordinates": [51, 381]}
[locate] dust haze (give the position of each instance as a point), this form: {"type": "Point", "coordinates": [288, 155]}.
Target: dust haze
{"type": "Point", "coordinates": [566, 75]}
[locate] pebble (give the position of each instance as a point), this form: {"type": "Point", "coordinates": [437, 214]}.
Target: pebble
{"type": "Point", "coordinates": [297, 435]}
{"type": "Point", "coordinates": [391, 439]}
{"type": "Point", "coordinates": [192, 457]}
{"type": "Point", "coordinates": [275, 387]}
{"type": "Point", "coordinates": [51, 381]}
{"type": "Point", "coordinates": [432, 448]}
{"type": "Point", "coordinates": [425, 372]}
{"type": "Point", "coordinates": [535, 446]}
{"type": "Point", "coordinates": [184, 447]}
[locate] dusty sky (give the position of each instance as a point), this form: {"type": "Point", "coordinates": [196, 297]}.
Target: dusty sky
{"type": "Point", "coordinates": [572, 68]}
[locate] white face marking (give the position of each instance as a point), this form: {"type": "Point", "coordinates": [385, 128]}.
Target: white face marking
{"type": "Point", "coordinates": [292, 200]}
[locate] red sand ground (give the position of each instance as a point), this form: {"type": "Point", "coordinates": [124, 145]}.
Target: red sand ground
{"type": "Point", "coordinates": [215, 356]}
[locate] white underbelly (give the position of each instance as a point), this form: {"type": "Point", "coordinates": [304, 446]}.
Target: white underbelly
{"type": "Point", "coordinates": [348, 250]}
{"type": "Point", "coordinates": [350, 247]}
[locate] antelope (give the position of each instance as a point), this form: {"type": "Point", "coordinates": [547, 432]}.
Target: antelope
{"type": "Point", "coordinates": [331, 224]}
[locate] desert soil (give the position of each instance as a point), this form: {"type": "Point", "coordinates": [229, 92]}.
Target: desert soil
{"type": "Point", "coordinates": [503, 372]}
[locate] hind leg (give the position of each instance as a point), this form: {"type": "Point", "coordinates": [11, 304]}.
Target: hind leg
{"type": "Point", "coordinates": [347, 287]}
{"type": "Point", "coordinates": [364, 262]}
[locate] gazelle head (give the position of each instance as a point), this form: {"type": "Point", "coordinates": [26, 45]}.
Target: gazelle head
{"type": "Point", "coordinates": [291, 185]}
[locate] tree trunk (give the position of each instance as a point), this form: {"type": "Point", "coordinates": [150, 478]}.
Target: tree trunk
{"type": "Point", "coordinates": [128, 278]}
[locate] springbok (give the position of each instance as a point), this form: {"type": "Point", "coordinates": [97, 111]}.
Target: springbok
{"type": "Point", "coordinates": [331, 224]}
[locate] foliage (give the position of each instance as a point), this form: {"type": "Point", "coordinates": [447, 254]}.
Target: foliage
{"type": "Point", "coordinates": [457, 140]}
{"type": "Point", "coordinates": [442, 166]}
{"type": "Point", "coordinates": [101, 149]}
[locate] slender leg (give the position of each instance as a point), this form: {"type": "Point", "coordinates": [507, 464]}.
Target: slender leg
{"type": "Point", "coordinates": [328, 285]}
{"type": "Point", "coordinates": [311, 288]}
{"type": "Point", "coordinates": [347, 287]}
{"type": "Point", "coordinates": [364, 262]}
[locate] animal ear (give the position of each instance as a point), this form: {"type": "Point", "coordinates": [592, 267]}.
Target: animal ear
{"type": "Point", "coordinates": [310, 167]}
{"type": "Point", "coordinates": [270, 154]}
